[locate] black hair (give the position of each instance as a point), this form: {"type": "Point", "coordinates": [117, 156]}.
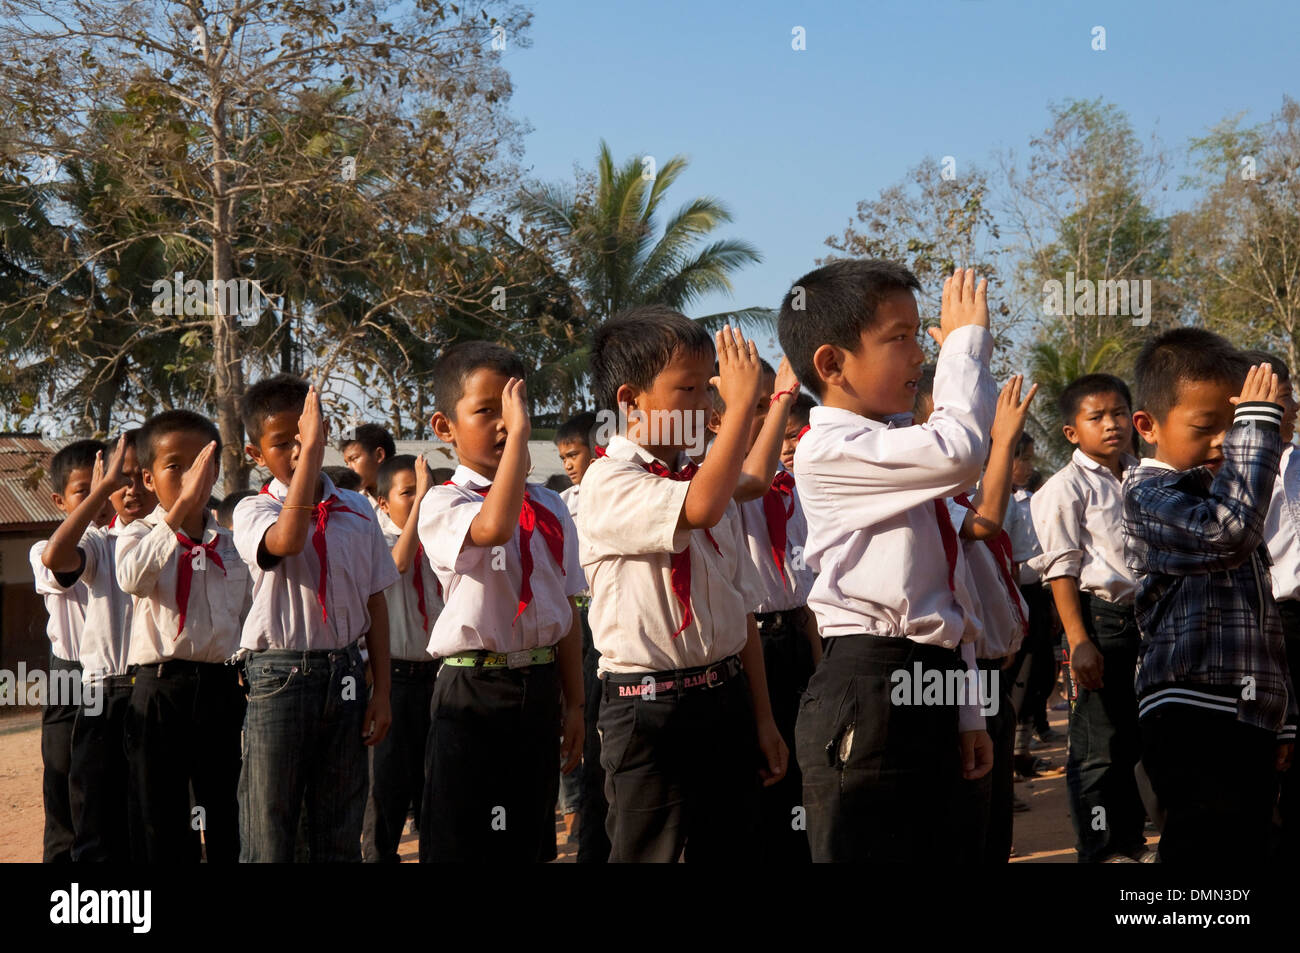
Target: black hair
{"type": "Point", "coordinates": [390, 468]}
{"type": "Point", "coordinates": [78, 455]}
{"type": "Point", "coordinates": [557, 482]}
{"type": "Point", "coordinates": [458, 362]}
{"type": "Point", "coordinates": [580, 428]}
{"type": "Point", "coordinates": [1255, 356]}
{"type": "Point", "coordinates": [345, 478]}
{"type": "Point", "coordinates": [1089, 385]}
{"type": "Point", "coordinates": [1034, 482]}
{"type": "Point", "coordinates": [834, 304]}
{"type": "Point", "coordinates": [372, 437]}
{"type": "Point", "coordinates": [1026, 439]}
{"type": "Point", "coordinates": [634, 346]}
{"type": "Point", "coordinates": [273, 395]}
{"type": "Point", "coordinates": [715, 396]}
{"type": "Point", "coordinates": [801, 408]}
{"type": "Point", "coordinates": [170, 422]}
{"type": "Point", "coordinates": [226, 511]}
{"type": "Point", "coordinates": [1183, 355]}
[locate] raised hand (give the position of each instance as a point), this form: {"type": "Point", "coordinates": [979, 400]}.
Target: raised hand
{"type": "Point", "coordinates": [1261, 384]}
{"type": "Point", "coordinates": [740, 375]}
{"type": "Point", "coordinates": [111, 472]}
{"type": "Point", "coordinates": [785, 379]}
{"type": "Point", "coordinates": [197, 483]}
{"type": "Point", "coordinates": [423, 477]}
{"type": "Point", "coordinates": [963, 303]}
{"type": "Point", "coordinates": [311, 429]}
{"type": "Point", "coordinates": [1012, 412]}
{"type": "Point", "coordinates": [514, 409]}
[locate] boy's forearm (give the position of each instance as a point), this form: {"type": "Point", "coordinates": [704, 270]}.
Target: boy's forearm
{"type": "Point", "coordinates": [568, 652]}
{"type": "Point", "coordinates": [1065, 593]}
{"type": "Point", "coordinates": [60, 553]}
{"type": "Point", "coordinates": [762, 459]}
{"type": "Point", "coordinates": [499, 516]}
{"type": "Point", "coordinates": [711, 488]}
{"type": "Point", "coordinates": [381, 668]}
{"type": "Point", "coordinates": [751, 657]}
{"type": "Point", "coordinates": [288, 534]}
{"type": "Point", "coordinates": [994, 493]}
{"type": "Point", "coordinates": [409, 542]}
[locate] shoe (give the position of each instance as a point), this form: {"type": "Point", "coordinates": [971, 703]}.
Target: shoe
{"type": "Point", "coordinates": [1025, 766]}
{"type": "Point", "coordinates": [1145, 855]}
{"type": "Point", "coordinates": [1047, 736]}
{"type": "Point", "coordinates": [1018, 806]}
{"type": "Point", "coordinates": [1119, 859]}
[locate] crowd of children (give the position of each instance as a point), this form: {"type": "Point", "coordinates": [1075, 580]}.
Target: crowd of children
{"type": "Point", "coordinates": [816, 630]}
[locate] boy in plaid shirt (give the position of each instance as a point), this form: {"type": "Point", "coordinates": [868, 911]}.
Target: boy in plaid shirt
{"type": "Point", "coordinates": [1217, 718]}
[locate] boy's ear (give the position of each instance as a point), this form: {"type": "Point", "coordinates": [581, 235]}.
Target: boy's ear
{"type": "Point", "coordinates": [1071, 434]}
{"type": "Point", "coordinates": [626, 396]}
{"type": "Point", "coordinates": [442, 427]}
{"type": "Point", "coordinates": [254, 454]}
{"type": "Point", "coordinates": [57, 500]}
{"type": "Point", "coordinates": [828, 362]}
{"type": "Point", "coordinates": [380, 455]}
{"type": "Point", "coordinates": [146, 475]}
{"type": "Point", "coordinates": [1145, 425]}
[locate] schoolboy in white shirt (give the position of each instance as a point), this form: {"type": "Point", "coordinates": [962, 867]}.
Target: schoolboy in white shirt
{"type": "Point", "coordinates": [891, 594]}
{"type": "Point", "coordinates": [687, 733]}
{"type": "Point", "coordinates": [77, 551]}
{"type": "Point", "coordinates": [71, 473]}
{"type": "Point", "coordinates": [191, 592]}
{"type": "Point", "coordinates": [320, 566]}
{"type": "Point", "coordinates": [508, 701]}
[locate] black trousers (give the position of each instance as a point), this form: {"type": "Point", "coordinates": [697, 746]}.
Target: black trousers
{"type": "Point", "coordinates": [880, 781]}
{"type": "Point", "coordinates": [492, 766]}
{"type": "Point", "coordinates": [1289, 804]}
{"type": "Point", "coordinates": [56, 763]}
{"type": "Point", "coordinates": [1216, 781]}
{"type": "Point", "coordinates": [182, 739]}
{"type": "Point", "coordinates": [681, 773]}
{"type": "Point", "coordinates": [986, 802]}
{"type": "Point", "coordinates": [100, 773]}
{"type": "Point", "coordinates": [1040, 649]}
{"type": "Point", "coordinates": [397, 762]}
{"type": "Point", "coordinates": [787, 658]}
{"type": "Point", "coordinates": [593, 841]}
{"type": "Point", "coordinates": [1104, 742]}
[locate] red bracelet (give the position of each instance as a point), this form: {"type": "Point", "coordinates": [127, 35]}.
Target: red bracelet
{"type": "Point", "coordinates": [782, 393]}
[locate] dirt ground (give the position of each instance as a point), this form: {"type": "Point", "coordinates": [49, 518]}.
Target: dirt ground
{"type": "Point", "coordinates": [1042, 834]}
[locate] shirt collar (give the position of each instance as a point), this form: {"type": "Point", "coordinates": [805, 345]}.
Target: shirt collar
{"type": "Point", "coordinates": [838, 415]}
{"type": "Point", "coordinates": [620, 448]}
{"type": "Point", "coordinates": [281, 490]}
{"type": "Point", "coordinates": [465, 477]}
{"type": "Point", "coordinates": [1158, 464]}
{"type": "Point", "coordinates": [1126, 460]}
{"type": "Point", "coordinates": [159, 516]}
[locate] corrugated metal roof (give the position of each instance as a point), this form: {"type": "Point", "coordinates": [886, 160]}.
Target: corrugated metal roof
{"type": "Point", "coordinates": [21, 500]}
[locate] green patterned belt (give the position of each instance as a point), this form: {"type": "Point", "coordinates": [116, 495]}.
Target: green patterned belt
{"type": "Point", "coordinates": [502, 659]}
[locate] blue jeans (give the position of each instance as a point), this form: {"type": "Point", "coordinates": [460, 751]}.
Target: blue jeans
{"type": "Point", "coordinates": [303, 746]}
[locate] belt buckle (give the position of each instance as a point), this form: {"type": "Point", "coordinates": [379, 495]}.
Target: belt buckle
{"type": "Point", "coordinates": [711, 676]}
{"type": "Point", "coordinates": [521, 659]}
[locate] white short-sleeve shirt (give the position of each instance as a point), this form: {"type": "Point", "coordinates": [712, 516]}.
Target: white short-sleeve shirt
{"type": "Point", "coordinates": [408, 630]}
{"type": "Point", "coordinates": [149, 568]}
{"type": "Point", "coordinates": [784, 586]}
{"type": "Point", "coordinates": [106, 638]}
{"type": "Point", "coordinates": [286, 613]}
{"type": "Point", "coordinates": [628, 528]}
{"type": "Point", "coordinates": [481, 585]}
{"type": "Point", "coordinates": [65, 607]}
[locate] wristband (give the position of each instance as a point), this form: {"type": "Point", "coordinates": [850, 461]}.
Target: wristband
{"type": "Point", "coordinates": [781, 393]}
{"type": "Point", "coordinates": [297, 506]}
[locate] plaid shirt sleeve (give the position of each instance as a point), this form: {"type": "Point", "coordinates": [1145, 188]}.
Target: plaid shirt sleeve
{"type": "Point", "coordinates": [1179, 528]}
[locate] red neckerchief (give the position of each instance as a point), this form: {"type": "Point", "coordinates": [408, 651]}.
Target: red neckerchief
{"type": "Point", "coordinates": [778, 507]}
{"type": "Point", "coordinates": [417, 578]}
{"type": "Point", "coordinates": [799, 436]}
{"type": "Point", "coordinates": [679, 564]}
{"type": "Point", "coordinates": [949, 536]}
{"type": "Point", "coordinates": [322, 514]}
{"type": "Point", "coordinates": [185, 571]}
{"type": "Point", "coordinates": [112, 522]}
{"type": "Point", "coordinates": [1000, 546]}
{"type": "Point", "coordinates": [532, 516]}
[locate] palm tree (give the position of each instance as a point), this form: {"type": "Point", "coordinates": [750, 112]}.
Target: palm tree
{"type": "Point", "coordinates": [618, 257]}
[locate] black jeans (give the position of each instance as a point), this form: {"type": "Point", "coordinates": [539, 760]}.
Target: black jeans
{"type": "Point", "coordinates": [491, 766]}
{"type": "Point", "coordinates": [1289, 805]}
{"type": "Point", "coordinates": [182, 738]}
{"type": "Point", "coordinates": [397, 762]}
{"type": "Point", "coordinates": [880, 781]}
{"type": "Point", "coordinates": [593, 841]}
{"type": "Point", "coordinates": [100, 773]}
{"type": "Point", "coordinates": [56, 762]}
{"type": "Point", "coordinates": [1216, 781]}
{"type": "Point", "coordinates": [681, 773]}
{"type": "Point", "coordinates": [986, 802]}
{"type": "Point", "coordinates": [1105, 805]}
{"type": "Point", "coordinates": [787, 658]}
{"type": "Point", "coordinates": [1039, 648]}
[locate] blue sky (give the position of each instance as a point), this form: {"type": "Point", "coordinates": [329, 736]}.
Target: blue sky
{"type": "Point", "coordinates": [792, 140]}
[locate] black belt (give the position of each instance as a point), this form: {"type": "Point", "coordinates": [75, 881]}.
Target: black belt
{"type": "Point", "coordinates": [415, 669]}
{"type": "Point", "coordinates": [781, 618]}
{"type": "Point", "coordinates": [177, 668]}
{"type": "Point", "coordinates": [652, 685]}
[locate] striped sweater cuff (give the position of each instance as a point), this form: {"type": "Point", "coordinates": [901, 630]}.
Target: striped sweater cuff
{"type": "Point", "coordinates": [1287, 734]}
{"type": "Point", "coordinates": [1263, 412]}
